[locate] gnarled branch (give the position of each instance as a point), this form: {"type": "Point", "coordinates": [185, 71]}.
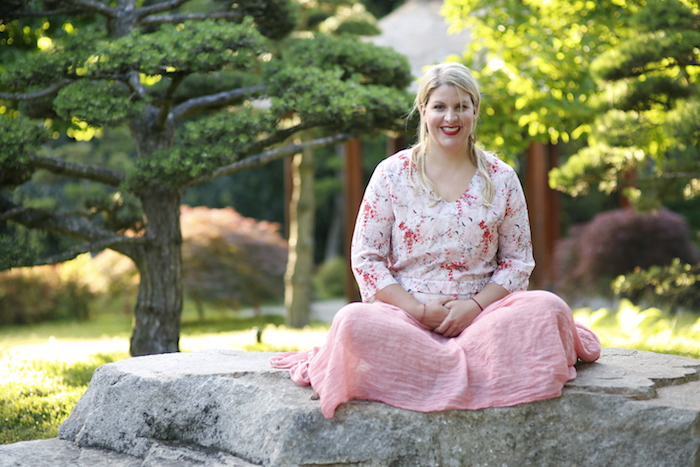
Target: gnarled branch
{"type": "Point", "coordinates": [219, 99]}
{"type": "Point", "coordinates": [110, 242]}
{"type": "Point", "coordinates": [90, 172]}
{"type": "Point", "coordinates": [35, 95]}
{"type": "Point", "coordinates": [164, 112]}
{"type": "Point", "coordinates": [160, 7]}
{"type": "Point", "coordinates": [72, 226]}
{"type": "Point", "coordinates": [161, 19]}
{"type": "Point", "coordinates": [58, 12]}
{"type": "Point", "coordinates": [270, 155]}
{"type": "Point", "coordinates": [98, 7]}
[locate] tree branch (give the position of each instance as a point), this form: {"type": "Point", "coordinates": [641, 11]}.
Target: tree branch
{"type": "Point", "coordinates": [271, 155]}
{"type": "Point", "coordinates": [59, 12]}
{"type": "Point", "coordinates": [665, 176]}
{"type": "Point", "coordinates": [160, 7]}
{"type": "Point", "coordinates": [95, 6]}
{"type": "Point", "coordinates": [167, 103]}
{"type": "Point", "coordinates": [218, 99]}
{"type": "Point", "coordinates": [90, 172]}
{"type": "Point", "coordinates": [67, 255]}
{"type": "Point", "coordinates": [35, 95]}
{"type": "Point", "coordinates": [16, 211]}
{"type": "Point", "coordinates": [161, 19]}
{"type": "Point", "coordinates": [64, 224]}
{"type": "Point", "coordinates": [279, 136]}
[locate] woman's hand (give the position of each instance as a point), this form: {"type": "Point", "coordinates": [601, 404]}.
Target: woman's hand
{"type": "Point", "coordinates": [460, 314]}
{"type": "Point", "coordinates": [435, 312]}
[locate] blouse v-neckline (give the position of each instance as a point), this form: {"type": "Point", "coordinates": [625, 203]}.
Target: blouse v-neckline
{"type": "Point", "coordinates": [462, 195]}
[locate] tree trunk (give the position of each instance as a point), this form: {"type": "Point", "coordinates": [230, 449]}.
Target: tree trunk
{"type": "Point", "coordinates": [297, 279]}
{"type": "Point", "coordinates": [156, 327]}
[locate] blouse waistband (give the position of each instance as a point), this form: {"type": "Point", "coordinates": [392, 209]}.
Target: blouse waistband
{"type": "Point", "coordinates": [435, 289]}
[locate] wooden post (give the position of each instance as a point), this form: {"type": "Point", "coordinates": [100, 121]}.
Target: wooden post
{"type": "Point", "coordinates": [543, 206]}
{"type": "Point", "coordinates": [352, 194]}
{"type": "Point", "coordinates": [395, 144]}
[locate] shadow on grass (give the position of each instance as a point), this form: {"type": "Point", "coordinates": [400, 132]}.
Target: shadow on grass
{"type": "Point", "coordinates": [228, 324]}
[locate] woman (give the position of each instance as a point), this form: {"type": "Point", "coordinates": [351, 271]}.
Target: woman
{"type": "Point", "coordinates": [442, 256]}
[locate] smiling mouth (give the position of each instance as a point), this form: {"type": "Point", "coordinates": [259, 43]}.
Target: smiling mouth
{"type": "Point", "coordinates": [450, 130]}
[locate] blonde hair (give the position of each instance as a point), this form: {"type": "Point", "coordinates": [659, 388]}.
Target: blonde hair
{"type": "Point", "coordinates": [459, 76]}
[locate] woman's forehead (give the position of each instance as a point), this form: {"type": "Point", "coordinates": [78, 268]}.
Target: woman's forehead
{"type": "Point", "coordinates": [449, 92]}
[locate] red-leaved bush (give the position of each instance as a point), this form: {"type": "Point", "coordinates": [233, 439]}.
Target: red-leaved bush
{"type": "Point", "coordinates": [616, 242]}
{"type": "Point", "coordinates": [230, 259]}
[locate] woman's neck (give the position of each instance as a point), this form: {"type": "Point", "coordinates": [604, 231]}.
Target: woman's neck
{"type": "Point", "coordinates": [441, 159]}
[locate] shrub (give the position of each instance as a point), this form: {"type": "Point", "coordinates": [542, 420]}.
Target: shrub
{"type": "Point", "coordinates": [231, 260]}
{"type": "Point", "coordinates": [616, 243]}
{"type": "Point", "coordinates": [43, 293]}
{"type": "Point", "coordinates": [670, 288]}
{"type": "Point", "coordinates": [329, 280]}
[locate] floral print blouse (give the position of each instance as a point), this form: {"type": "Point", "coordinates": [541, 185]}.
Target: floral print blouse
{"type": "Point", "coordinates": [444, 249]}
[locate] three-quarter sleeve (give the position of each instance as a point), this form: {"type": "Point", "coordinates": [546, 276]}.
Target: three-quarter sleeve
{"type": "Point", "coordinates": [515, 258]}
{"type": "Point", "coordinates": [371, 241]}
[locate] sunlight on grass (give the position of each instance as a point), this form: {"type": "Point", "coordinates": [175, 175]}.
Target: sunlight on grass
{"type": "Point", "coordinates": [649, 329]}
{"type": "Point", "coordinates": [274, 338]}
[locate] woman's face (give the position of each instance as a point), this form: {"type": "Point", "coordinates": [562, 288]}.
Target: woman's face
{"type": "Point", "coordinates": [450, 116]}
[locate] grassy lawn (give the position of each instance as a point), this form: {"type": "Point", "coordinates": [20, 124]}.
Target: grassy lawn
{"type": "Point", "coordinates": [45, 368]}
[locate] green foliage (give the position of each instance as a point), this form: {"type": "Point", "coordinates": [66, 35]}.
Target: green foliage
{"type": "Point", "coordinates": [329, 280]}
{"type": "Point", "coordinates": [210, 46]}
{"type": "Point", "coordinates": [19, 137]}
{"type": "Point", "coordinates": [98, 103]}
{"type": "Point", "coordinates": [558, 71]}
{"type": "Point", "coordinates": [118, 211]}
{"type": "Point", "coordinates": [595, 166]}
{"type": "Point", "coordinates": [296, 89]}
{"type": "Point", "coordinates": [376, 65]}
{"type": "Point", "coordinates": [274, 18]}
{"type": "Point", "coordinates": [671, 287]}
{"type": "Point", "coordinates": [14, 253]}
{"type": "Point", "coordinates": [532, 60]}
{"type": "Point", "coordinates": [66, 59]}
{"type": "Point", "coordinates": [207, 143]}
{"type": "Point", "coordinates": [648, 80]}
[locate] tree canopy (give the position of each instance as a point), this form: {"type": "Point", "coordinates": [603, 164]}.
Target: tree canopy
{"type": "Point", "coordinates": [205, 88]}
{"type": "Point", "coordinates": [619, 77]}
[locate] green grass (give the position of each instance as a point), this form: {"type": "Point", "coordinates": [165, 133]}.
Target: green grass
{"type": "Point", "coordinates": [36, 396]}
{"type": "Point", "coordinates": [46, 368]}
{"type": "Point", "coordinates": [644, 329]}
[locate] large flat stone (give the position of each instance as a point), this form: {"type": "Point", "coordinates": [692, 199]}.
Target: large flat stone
{"type": "Point", "coordinates": [630, 408]}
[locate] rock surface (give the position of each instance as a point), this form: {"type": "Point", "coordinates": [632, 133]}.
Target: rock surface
{"type": "Point", "coordinates": [228, 408]}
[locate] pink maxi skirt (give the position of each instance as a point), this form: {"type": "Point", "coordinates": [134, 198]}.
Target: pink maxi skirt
{"type": "Point", "coordinates": [520, 349]}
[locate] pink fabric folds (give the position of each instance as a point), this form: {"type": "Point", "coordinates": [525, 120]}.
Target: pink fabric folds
{"type": "Point", "coordinates": [520, 349]}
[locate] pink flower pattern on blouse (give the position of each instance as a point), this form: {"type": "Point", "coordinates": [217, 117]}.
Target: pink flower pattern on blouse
{"type": "Point", "coordinates": [444, 249]}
